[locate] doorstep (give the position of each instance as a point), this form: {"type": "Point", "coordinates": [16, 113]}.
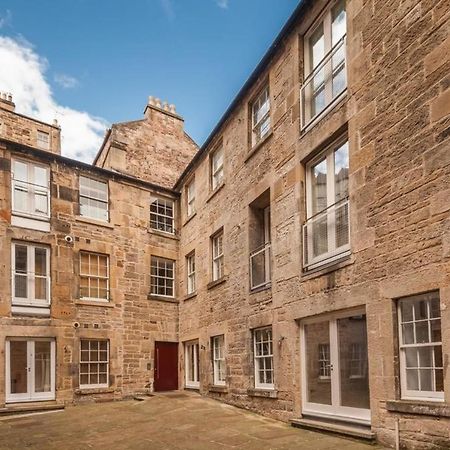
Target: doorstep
{"type": "Point", "coordinates": [22, 408]}
{"type": "Point", "coordinates": [342, 428]}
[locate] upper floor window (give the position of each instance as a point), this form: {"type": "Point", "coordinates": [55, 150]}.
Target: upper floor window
{"type": "Point", "coordinates": [190, 265]}
{"type": "Point", "coordinates": [217, 256]}
{"type": "Point", "coordinates": [217, 168]}
{"type": "Point", "coordinates": [162, 277]}
{"type": "Point", "coordinates": [94, 199]}
{"type": "Point", "coordinates": [43, 140]}
{"type": "Point", "coordinates": [94, 276]}
{"type": "Point", "coordinates": [325, 63]}
{"type": "Point", "coordinates": [261, 116]}
{"type": "Point", "coordinates": [263, 354]}
{"type": "Point", "coordinates": [421, 365]}
{"type": "Point", "coordinates": [30, 189]}
{"type": "Point", "coordinates": [31, 274]}
{"type": "Point", "coordinates": [190, 198]}
{"type": "Point", "coordinates": [162, 215]}
{"type": "Point", "coordinates": [326, 233]}
{"type": "Point", "coordinates": [218, 360]}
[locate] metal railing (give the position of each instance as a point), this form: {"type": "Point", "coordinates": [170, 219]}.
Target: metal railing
{"type": "Point", "coordinates": [326, 235]}
{"type": "Point", "coordinates": [260, 266]}
{"type": "Point", "coordinates": [326, 82]}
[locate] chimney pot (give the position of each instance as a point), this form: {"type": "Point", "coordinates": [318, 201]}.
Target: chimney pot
{"type": "Point", "coordinates": [151, 100]}
{"type": "Point", "coordinates": [166, 106]}
{"type": "Point", "coordinates": [9, 97]}
{"type": "Point", "coordinates": [157, 102]}
{"type": "Point", "coordinates": [172, 109]}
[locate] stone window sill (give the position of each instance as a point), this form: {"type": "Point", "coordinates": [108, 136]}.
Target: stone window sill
{"type": "Point", "coordinates": [94, 391]}
{"type": "Point", "coordinates": [218, 389]}
{"type": "Point", "coordinates": [213, 284]}
{"type": "Point", "coordinates": [163, 234]}
{"type": "Point", "coordinates": [97, 223]}
{"type": "Point", "coordinates": [188, 219]}
{"type": "Point", "coordinates": [266, 287]}
{"type": "Point", "coordinates": [328, 268]}
{"type": "Point", "coordinates": [215, 191]}
{"type": "Point", "coordinates": [190, 296]}
{"type": "Point", "coordinates": [162, 299]}
{"type": "Point", "coordinates": [82, 302]}
{"type": "Point", "coordinates": [436, 409]}
{"type": "Point", "coordinates": [264, 393]}
{"type": "Point", "coordinates": [256, 147]}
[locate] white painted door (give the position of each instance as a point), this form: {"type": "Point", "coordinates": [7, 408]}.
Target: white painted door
{"type": "Point", "coordinates": [30, 370]}
{"type": "Point", "coordinates": [335, 381]}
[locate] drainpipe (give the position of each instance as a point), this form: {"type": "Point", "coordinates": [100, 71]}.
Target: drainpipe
{"type": "Point", "coordinates": [397, 434]}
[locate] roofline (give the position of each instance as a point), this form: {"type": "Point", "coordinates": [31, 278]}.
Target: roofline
{"type": "Point", "coordinates": [56, 127]}
{"type": "Point", "coordinates": [100, 150]}
{"type": "Point", "coordinates": [22, 148]}
{"type": "Point", "coordinates": [262, 65]}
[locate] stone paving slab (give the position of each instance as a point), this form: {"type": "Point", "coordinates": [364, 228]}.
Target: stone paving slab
{"type": "Point", "coordinates": [162, 422]}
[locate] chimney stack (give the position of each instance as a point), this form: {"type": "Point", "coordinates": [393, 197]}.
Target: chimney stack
{"type": "Point", "coordinates": [6, 101]}
{"type": "Point", "coordinates": [160, 106]}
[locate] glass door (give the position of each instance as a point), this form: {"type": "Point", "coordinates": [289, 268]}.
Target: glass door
{"type": "Point", "coordinates": [30, 370]}
{"type": "Point", "coordinates": [334, 364]}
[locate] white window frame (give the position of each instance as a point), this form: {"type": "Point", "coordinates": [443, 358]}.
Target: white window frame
{"type": "Point", "coordinates": [190, 198]}
{"type": "Point", "coordinates": [96, 199]}
{"type": "Point", "coordinates": [31, 189]}
{"type": "Point", "coordinates": [168, 281]}
{"type": "Point", "coordinates": [162, 221]}
{"type": "Point", "coordinates": [190, 273]}
{"type": "Point", "coordinates": [259, 358]}
{"type": "Point", "coordinates": [30, 300]}
{"type": "Point", "coordinates": [256, 106]}
{"type": "Point", "coordinates": [191, 349]}
{"type": "Point", "coordinates": [406, 393]}
{"type": "Point", "coordinates": [218, 355]}
{"type": "Point", "coordinates": [90, 276]}
{"type": "Point", "coordinates": [217, 167]}
{"type": "Point", "coordinates": [217, 256]}
{"type": "Point", "coordinates": [41, 142]}
{"type": "Point", "coordinates": [89, 362]}
{"type": "Point", "coordinates": [325, 20]}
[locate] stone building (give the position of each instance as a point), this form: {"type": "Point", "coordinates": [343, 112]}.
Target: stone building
{"type": "Point", "coordinates": [297, 265]}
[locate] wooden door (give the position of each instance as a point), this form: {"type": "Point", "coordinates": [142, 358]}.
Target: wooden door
{"type": "Point", "coordinates": [166, 366]}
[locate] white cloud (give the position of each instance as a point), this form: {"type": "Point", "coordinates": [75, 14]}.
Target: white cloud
{"type": "Point", "coordinates": [66, 81]}
{"type": "Point", "coordinates": [5, 19]}
{"type": "Point", "coordinates": [222, 4]}
{"type": "Point", "coordinates": [23, 74]}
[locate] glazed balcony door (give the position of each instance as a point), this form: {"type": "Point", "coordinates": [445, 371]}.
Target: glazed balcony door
{"type": "Point", "coordinates": [335, 373]}
{"type": "Point", "coordinates": [30, 370]}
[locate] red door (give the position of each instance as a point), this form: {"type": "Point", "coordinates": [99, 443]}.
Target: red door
{"type": "Point", "coordinates": [166, 366]}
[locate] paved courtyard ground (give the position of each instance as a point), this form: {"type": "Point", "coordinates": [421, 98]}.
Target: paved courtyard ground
{"type": "Point", "coordinates": [166, 421]}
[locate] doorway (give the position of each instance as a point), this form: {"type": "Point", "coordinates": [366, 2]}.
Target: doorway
{"type": "Point", "coordinates": [166, 366]}
{"type": "Point", "coordinates": [335, 376]}
{"type": "Point", "coordinates": [30, 370]}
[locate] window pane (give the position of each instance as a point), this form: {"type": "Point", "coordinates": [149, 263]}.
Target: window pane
{"type": "Point", "coordinates": [40, 261]}
{"type": "Point", "coordinates": [412, 379]}
{"type": "Point", "coordinates": [338, 26]}
{"type": "Point", "coordinates": [20, 284]}
{"type": "Point", "coordinates": [319, 187]}
{"type": "Point", "coordinates": [341, 168]}
{"type": "Point", "coordinates": [21, 258]}
{"type": "Point", "coordinates": [411, 357]}
{"type": "Point", "coordinates": [20, 171]}
{"type": "Point", "coordinates": [40, 176]}
{"type": "Point", "coordinates": [40, 288]}
{"type": "Point", "coordinates": [426, 381]}
{"type": "Point", "coordinates": [317, 46]}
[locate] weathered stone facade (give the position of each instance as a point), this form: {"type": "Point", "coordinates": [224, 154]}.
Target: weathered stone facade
{"type": "Point", "coordinates": [395, 115]}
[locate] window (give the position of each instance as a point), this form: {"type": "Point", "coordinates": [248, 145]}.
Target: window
{"type": "Point", "coordinates": [94, 199]}
{"type": "Point", "coordinates": [191, 365]}
{"type": "Point", "coordinates": [31, 275]}
{"type": "Point", "coordinates": [94, 363]}
{"type": "Point", "coordinates": [190, 265]}
{"type": "Point", "coordinates": [261, 116]}
{"type": "Point", "coordinates": [421, 366]}
{"type": "Point", "coordinates": [325, 65]}
{"type": "Point", "coordinates": [217, 255]}
{"type": "Point", "coordinates": [162, 277]}
{"type": "Point", "coordinates": [326, 233]}
{"type": "Point", "coordinates": [324, 362]}
{"type": "Point", "coordinates": [357, 361]}
{"type": "Point", "coordinates": [190, 198]}
{"type": "Point", "coordinates": [162, 215]}
{"type": "Point", "coordinates": [94, 276]}
{"type": "Point", "coordinates": [263, 352]}
{"type": "Point", "coordinates": [217, 168]}
{"type": "Point", "coordinates": [43, 140]}
{"type": "Point", "coordinates": [30, 189]}
{"type": "Point", "coordinates": [218, 360]}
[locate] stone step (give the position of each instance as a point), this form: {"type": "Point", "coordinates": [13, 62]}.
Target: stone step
{"type": "Point", "coordinates": [346, 429]}
{"type": "Point", "coordinates": [25, 408]}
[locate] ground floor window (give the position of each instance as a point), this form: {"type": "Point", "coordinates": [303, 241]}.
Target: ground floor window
{"type": "Point", "coordinates": [218, 343]}
{"type": "Point", "coordinates": [94, 363]}
{"type": "Point", "coordinates": [191, 357]}
{"type": "Point", "coordinates": [263, 354]}
{"type": "Point", "coordinates": [421, 365]}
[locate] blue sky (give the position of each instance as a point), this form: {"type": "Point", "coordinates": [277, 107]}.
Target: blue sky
{"type": "Point", "coordinates": [106, 57]}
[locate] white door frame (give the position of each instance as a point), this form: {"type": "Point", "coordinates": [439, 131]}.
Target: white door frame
{"type": "Point", "coordinates": [30, 395]}
{"type": "Point", "coordinates": [335, 410]}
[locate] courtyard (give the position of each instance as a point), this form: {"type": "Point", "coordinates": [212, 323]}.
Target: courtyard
{"type": "Point", "coordinates": [176, 420]}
